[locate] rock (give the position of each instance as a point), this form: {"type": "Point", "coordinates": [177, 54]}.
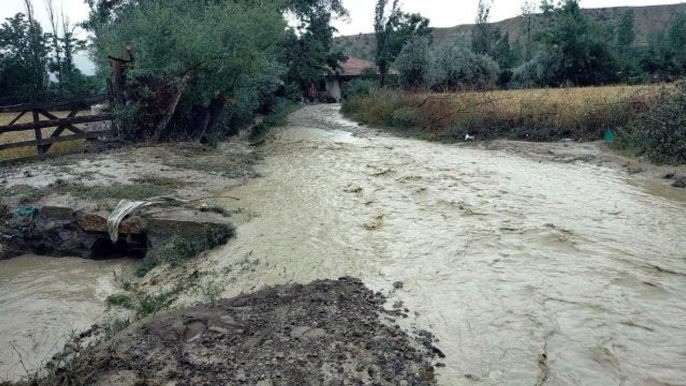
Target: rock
{"type": "Point", "coordinates": [680, 183]}
{"type": "Point", "coordinates": [57, 212]}
{"type": "Point", "coordinates": [186, 223]}
{"type": "Point", "coordinates": [4, 211]}
{"type": "Point", "coordinates": [98, 223]}
{"type": "Point", "coordinates": [398, 285]}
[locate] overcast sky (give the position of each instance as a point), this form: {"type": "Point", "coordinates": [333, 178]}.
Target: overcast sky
{"type": "Point", "coordinates": [449, 13]}
{"type": "Point", "coordinates": [442, 13]}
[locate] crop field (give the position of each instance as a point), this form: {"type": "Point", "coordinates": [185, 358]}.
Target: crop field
{"type": "Point", "coordinates": [534, 114]}
{"type": "Point", "coordinates": [29, 135]}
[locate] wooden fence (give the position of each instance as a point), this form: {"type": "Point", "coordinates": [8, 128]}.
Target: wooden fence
{"type": "Point", "coordinates": [62, 124]}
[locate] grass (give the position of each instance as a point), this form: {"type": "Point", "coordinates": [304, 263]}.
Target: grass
{"type": "Point", "coordinates": [535, 115]}
{"type": "Point", "coordinates": [178, 250]}
{"type": "Point", "coordinates": [164, 182]}
{"type": "Point", "coordinates": [21, 136]}
{"type": "Point", "coordinates": [216, 164]}
{"type": "Point", "coordinates": [26, 194]}
{"type": "Point", "coordinates": [122, 301]}
{"type": "Point", "coordinates": [29, 195]}
{"type": "Point", "coordinates": [217, 209]}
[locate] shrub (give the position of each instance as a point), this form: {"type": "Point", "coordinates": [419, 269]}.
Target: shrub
{"type": "Point", "coordinates": [199, 66]}
{"type": "Point", "coordinates": [457, 68]}
{"type": "Point", "coordinates": [179, 249]}
{"type": "Point", "coordinates": [660, 134]}
{"type": "Point", "coordinates": [414, 63]}
{"type": "Point", "coordinates": [376, 108]}
{"type": "Point", "coordinates": [405, 118]}
{"type": "Point", "coordinates": [123, 301]}
{"type": "Point", "coordinates": [357, 87]}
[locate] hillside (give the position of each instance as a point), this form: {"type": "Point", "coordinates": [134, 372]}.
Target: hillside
{"type": "Point", "coordinates": [647, 19]}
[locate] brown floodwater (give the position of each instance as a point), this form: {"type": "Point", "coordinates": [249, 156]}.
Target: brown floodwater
{"type": "Point", "coordinates": [529, 272]}
{"type": "Point", "coordinates": [44, 299]}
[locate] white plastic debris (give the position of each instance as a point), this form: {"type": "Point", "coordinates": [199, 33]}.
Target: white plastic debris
{"type": "Point", "coordinates": [125, 208]}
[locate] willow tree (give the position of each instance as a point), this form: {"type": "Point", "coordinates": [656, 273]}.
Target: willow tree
{"type": "Point", "coordinates": [195, 63]}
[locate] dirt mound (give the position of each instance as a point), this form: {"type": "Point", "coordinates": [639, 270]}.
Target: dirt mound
{"type": "Point", "coordinates": [323, 333]}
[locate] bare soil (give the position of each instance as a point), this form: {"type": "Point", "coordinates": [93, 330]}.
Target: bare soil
{"type": "Point", "coordinates": [324, 333]}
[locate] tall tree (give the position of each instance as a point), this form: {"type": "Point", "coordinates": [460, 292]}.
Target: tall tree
{"type": "Point", "coordinates": [575, 43]}
{"type": "Point", "coordinates": [677, 42]}
{"type": "Point", "coordinates": [482, 33]}
{"type": "Point", "coordinates": [626, 30]}
{"type": "Point", "coordinates": [528, 11]}
{"type": "Point", "coordinates": [626, 52]}
{"type": "Point", "coordinates": [37, 52]}
{"type": "Point", "coordinates": [384, 27]}
{"type": "Point", "coordinates": [56, 63]}
{"type": "Point", "coordinates": [23, 58]}
{"type": "Point", "coordinates": [309, 51]}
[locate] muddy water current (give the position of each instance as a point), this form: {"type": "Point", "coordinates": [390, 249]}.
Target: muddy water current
{"type": "Point", "coordinates": [44, 299]}
{"type": "Point", "coordinates": [529, 272]}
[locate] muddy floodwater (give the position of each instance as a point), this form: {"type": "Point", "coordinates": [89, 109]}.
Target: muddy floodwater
{"type": "Point", "coordinates": [529, 272]}
{"type": "Point", "coordinates": [44, 299]}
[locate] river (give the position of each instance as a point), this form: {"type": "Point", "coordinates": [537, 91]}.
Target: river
{"type": "Point", "coordinates": [529, 272]}
{"type": "Point", "coordinates": [44, 299]}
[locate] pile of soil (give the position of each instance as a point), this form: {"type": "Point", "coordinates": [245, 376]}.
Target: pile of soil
{"type": "Point", "coordinates": [323, 333]}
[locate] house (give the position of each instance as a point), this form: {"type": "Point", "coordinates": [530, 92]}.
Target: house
{"type": "Point", "coordinates": [352, 68]}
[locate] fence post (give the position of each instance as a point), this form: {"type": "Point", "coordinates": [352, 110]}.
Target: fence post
{"type": "Point", "coordinates": [37, 130]}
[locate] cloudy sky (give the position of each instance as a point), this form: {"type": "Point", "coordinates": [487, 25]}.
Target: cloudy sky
{"type": "Point", "coordinates": [449, 13]}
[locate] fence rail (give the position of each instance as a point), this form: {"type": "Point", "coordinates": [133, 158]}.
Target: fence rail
{"type": "Point", "coordinates": [67, 123]}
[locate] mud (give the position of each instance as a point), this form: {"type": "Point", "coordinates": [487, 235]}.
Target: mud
{"type": "Point", "coordinates": [323, 333]}
{"type": "Point", "coordinates": [202, 171]}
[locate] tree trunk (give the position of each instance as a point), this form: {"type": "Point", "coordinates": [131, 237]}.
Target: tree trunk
{"type": "Point", "coordinates": [211, 117]}
{"type": "Point", "coordinates": [161, 129]}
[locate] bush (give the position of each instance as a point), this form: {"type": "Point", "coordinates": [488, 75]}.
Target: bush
{"type": "Point", "coordinates": [362, 87]}
{"type": "Point", "coordinates": [200, 67]}
{"type": "Point", "coordinates": [414, 63]}
{"type": "Point", "coordinates": [376, 108]}
{"type": "Point", "coordinates": [660, 134]}
{"type": "Point", "coordinates": [405, 118]}
{"type": "Point", "coordinates": [178, 249]}
{"type": "Point", "coordinates": [457, 68]}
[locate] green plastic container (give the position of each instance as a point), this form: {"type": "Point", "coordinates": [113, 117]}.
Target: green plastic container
{"type": "Point", "coordinates": [609, 136]}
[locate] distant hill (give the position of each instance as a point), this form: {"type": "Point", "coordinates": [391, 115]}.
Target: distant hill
{"type": "Point", "coordinates": [647, 19]}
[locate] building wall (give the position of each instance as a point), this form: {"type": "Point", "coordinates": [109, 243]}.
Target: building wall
{"type": "Point", "coordinates": [333, 89]}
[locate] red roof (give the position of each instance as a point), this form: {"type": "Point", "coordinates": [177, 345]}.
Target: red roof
{"type": "Point", "coordinates": [354, 66]}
